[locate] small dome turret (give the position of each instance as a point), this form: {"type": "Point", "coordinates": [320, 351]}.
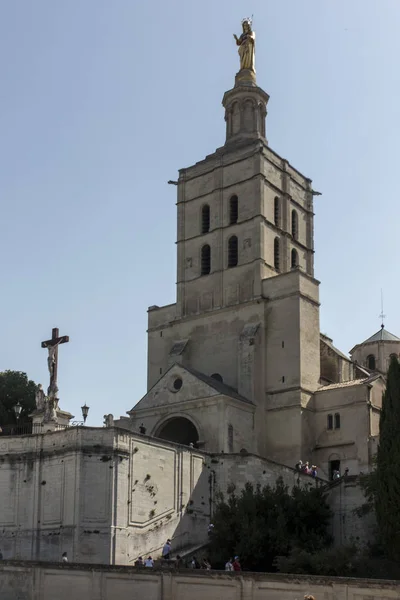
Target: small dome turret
{"type": "Point", "coordinates": [376, 351]}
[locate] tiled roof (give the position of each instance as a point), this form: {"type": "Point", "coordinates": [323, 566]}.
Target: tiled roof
{"type": "Point", "coordinates": [382, 336]}
{"type": "Point", "coordinates": [329, 343]}
{"type": "Point", "coordinates": [347, 384]}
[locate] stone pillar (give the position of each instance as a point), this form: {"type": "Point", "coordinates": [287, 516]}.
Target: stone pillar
{"type": "Point", "coordinates": [285, 218]}
{"type": "Point", "coordinates": [180, 265]}
{"type": "Point", "coordinates": [246, 357]}
{"type": "Point", "coordinates": [310, 232]}
{"type": "Point", "coordinates": [246, 590]}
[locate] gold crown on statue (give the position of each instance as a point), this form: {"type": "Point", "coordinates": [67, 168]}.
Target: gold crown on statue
{"type": "Point", "coordinates": [248, 20]}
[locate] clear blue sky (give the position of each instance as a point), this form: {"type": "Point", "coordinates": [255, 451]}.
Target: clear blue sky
{"type": "Point", "coordinates": [103, 101]}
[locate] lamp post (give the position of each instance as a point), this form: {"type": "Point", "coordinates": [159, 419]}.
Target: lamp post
{"type": "Point", "coordinates": [17, 410]}
{"type": "Point", "coordinates": [85, 412]}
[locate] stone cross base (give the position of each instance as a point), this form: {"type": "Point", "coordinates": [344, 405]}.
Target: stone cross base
{"type": "Point", "coordinates": [42, 424]}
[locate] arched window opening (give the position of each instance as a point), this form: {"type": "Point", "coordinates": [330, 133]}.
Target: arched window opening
{"type": "Point", "coordinates": [277, 212]}
{"type": "Point", "coordinates": [371, 363]}
{"type": "Point", "coordinates": [295, 225]}
{"type": "Point", "coordinates": [205, 219]}
{"type": "Point", "coordinates": [179, 430]}
{"type": "Point", "coordinates": [205, 260]}
{"type": "Point", "coordinates": [232, 251]}
{"type": "Point", "coordinates": [337, 421]}
{"type": "Point", "coordinates": [276, 254]}
{"type": "Point", "coordinates": [217, 377]}
{"type": "Point", "coordinates": [294, 258]}
{"type": "Point", "coordinates": [230, 438]}
{"type": "Point", "coordinates": [392, 356]}
{"type": "Point", "coordinates": [330, 422]}
{"type": "Point", "coordinates": [233, 210]}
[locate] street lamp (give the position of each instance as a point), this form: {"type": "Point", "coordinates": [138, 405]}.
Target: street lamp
{"type": "Point", "coordinates": [85, 412]}
{"type": "Point", "coordinates": [17, 410]}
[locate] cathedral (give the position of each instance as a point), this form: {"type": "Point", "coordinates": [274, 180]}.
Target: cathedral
{"type": "Point", "coordinates": [238, 362]}
{"type": "Point", "coordinates": [241, 382]}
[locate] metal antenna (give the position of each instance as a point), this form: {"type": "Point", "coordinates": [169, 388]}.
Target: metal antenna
{"type": "Point", "coordinates": [382, 316]}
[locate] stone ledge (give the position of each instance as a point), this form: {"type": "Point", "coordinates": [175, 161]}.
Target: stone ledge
{"type": "Point", "coordinates": [196, 573]}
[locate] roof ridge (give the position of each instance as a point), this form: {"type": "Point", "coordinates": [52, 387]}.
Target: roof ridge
{"type": "Point", "coordinates": [219, 386]}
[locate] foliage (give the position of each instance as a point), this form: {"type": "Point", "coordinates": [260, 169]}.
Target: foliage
{"type": "Point", "coordinates": [16, 387]}
{"type": "Point", "coordinates": [262, 523]}
{"type": "Point", "coordinates": [344, 561]}
{"type": "Point", "coordinates": [368, 484]}
{"type": "Point", "coordinates": [334, 562]}
{"type": "Point", "coordinates": [387, 497]}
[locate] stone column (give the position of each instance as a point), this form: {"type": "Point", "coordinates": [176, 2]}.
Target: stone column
{"type": "Point", "coordinates": [180, 240]}
{"type": "Point", "coordinates": [285, 218]}
{"type": "Point", "coordinates": [310, 230]}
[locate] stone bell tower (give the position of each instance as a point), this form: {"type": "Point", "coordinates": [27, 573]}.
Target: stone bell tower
{"type": "Point", "coordinates": [247, 309]}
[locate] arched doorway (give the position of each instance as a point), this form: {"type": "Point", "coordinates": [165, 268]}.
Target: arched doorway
{"type": "Point", "coordinates": [178, 430]}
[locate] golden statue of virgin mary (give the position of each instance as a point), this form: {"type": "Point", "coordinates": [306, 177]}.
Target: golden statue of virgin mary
{"type": "Point", "coordinates": [246, 43]}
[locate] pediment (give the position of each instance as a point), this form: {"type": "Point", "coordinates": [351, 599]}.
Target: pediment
{"type": "Point", "coordinates": [177, 385]}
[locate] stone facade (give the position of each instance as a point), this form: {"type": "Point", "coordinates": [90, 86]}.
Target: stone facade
{"type": "Point", "coordinates": [239, 362]}
{"type": "Point", "coordinates": [241, 382]}
{"type": "Point", "coordinates": [48, 581]}
{"type": "Point", "coordinates": [102, 495]}
{"type": "Point", "coordinates": [345, 496]}
{"type": "Point", "coordinates": [347, 420]}
{"type": "Point", "coordinates": [105, 495]}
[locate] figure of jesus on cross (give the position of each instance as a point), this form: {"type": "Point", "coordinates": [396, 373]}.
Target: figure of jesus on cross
{"type": "Point", "coordinates": [52, 360]}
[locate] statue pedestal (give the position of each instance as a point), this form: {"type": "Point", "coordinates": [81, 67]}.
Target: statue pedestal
{"type": "Point", "coordinates": [245, 77]}
{"type": "Point", "coordinates": [41, 423]}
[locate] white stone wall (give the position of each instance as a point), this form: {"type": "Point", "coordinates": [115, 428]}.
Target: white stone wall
{"type": "Point", "coordinates": [107, 495]}
{"type": "Point", "coordinates": [102, 495]}
{"type": "Point", "coordinates": [237, 469]}
{"type": "Point", "coordinates": [213, 342]}
{"type": "Point", "coordinates": [359, 420]}
{"type": "Point", "coordinates": [345, 496]}
{"type": "Point", "coordinates": [47, 582]}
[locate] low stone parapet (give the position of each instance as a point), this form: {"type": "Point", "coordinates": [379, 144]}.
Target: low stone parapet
{"type": "Point", "coordinates": [46, 581]}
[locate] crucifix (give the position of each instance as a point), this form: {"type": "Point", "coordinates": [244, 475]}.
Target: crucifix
{"type": "Point", "coordinates": [52, 360]}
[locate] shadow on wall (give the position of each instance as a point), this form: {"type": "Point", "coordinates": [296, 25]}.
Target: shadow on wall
{"type": "Point", "coordinates": [345, 496]}
{"type": "Point", "coordinates": [172, 501]}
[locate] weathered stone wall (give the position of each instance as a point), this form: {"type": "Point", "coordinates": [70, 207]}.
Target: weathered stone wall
{"type": "Point", "coordinates": [213, 341]}
{"type": "Point", "coordinates": [345, 496]}
{"type": "Point", "coordinates": [107, 495]}
{"type": "Point", "coordinates": [198, 403]}
{"type": "Point", "coordinates": [334, 366]}
{"type": "Point", "coordinates": [381, 350]}
{"type": "Point", "coordinates": [102, 495]}
{"type": "Point", "coordinates": [238, 469]}
{"type": "Point", "coordinates": [38, 581]}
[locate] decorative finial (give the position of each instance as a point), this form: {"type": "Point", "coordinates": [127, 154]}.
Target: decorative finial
{"type": "Point", "coordinates": [382, 316]}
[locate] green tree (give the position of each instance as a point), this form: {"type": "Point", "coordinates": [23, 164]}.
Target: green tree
{"type": "Point", "coordinates": [368, 484]}
{"type": "Point", "coordinates": [260, 524]}
{"type": "Point", "coordinates": [387, 499]}
{"type": "Point", "coordinates": [16, 387]}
